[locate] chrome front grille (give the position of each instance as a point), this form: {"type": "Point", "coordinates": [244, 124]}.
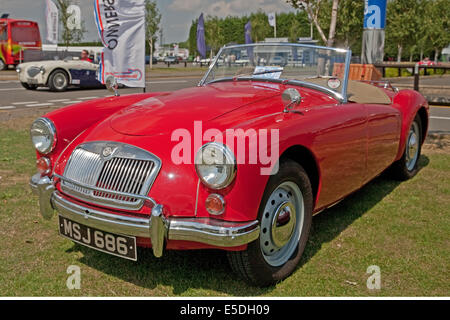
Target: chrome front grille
{"type": "Point", "coordinates": [123, 175]}
{"type": "Point", "coordinates": [84, 167]}
{"type": "Point", "coordinates": [116, 178]}
{"type": "Point", "coordinates": [33, 71]}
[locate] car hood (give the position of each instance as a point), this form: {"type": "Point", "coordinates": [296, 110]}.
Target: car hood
{"type": "Point", "coordinates": [177, 110]}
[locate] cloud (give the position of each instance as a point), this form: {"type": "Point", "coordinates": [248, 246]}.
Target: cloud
{"type": "Point", "coordinates": [223, 8]}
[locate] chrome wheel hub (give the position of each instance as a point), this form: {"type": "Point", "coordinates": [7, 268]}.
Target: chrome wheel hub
{"type": "Point", "coordinates": [281, 224]}
{"type": "Point", "coordinates": [60, 81]}
{"type": "Point", "coordinates": [412, 147]}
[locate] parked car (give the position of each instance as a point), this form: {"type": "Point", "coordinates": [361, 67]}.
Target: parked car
{"type": "Point", "coordinates": [58, 75]}
{"type": "Point", "coordinates": [154, 60]}
{"type": "Point", "coordinates": [427, 62]}
{"type": "Point", "coordinates": [277, 60]}
{"type": "Point", "coordinates": [171, 60]}
{"type": "Point", "coordinates": [240, 163]}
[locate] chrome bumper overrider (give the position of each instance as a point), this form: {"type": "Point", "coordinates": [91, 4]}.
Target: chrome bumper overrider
{"type": "Point", "coordinates": [158, 228]}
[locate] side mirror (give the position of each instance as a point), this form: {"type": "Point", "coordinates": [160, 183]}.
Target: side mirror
{"type": "Point", "coordinates": [112, 85]}
{"type": "Point", "coordinates": [291, 97]}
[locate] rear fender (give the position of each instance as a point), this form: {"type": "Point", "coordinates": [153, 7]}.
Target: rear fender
{"type": "Point", "coordinates": [409, 103]}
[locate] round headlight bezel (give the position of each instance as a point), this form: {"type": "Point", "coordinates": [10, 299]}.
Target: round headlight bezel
{"type": "Point", "coordinates": [230, 160]}
{"type": "Point", "coordinates": [50, 127]}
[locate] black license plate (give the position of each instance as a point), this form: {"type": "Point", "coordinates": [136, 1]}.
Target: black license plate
{"type": "Point", "coordinates": [118, 245]}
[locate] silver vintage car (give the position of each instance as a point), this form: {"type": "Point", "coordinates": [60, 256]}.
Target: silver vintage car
{"type": "Point", "coordinates": [58, 75]}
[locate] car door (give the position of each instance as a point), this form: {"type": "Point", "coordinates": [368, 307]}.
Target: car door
{"type": "Point", "coordinates": [340, 145]}
{"type": "Point", "coordinates": [383, 136]}
{"type": "Point", "coordinates": [84, 74]}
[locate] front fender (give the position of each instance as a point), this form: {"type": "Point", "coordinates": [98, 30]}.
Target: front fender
{"type": "Point", "coordinates": [74, 119]}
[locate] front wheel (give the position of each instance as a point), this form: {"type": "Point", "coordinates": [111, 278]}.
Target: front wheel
{"type": "Point", "coordinates": [285, 216]}
{"type": "Point", "coordinates": [2, 65]}
{"type": "Point", "coordinates": [58, 81]}
{"type": "Point", "coordinates": [407, 166]}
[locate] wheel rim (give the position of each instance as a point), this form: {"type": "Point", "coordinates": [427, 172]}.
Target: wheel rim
{"type": "Point", "coordinates": [59, 81]}
{"type": "Point", "coordinates": [412, 147]}
{"type": "Point", "coordinates": [281, 223]}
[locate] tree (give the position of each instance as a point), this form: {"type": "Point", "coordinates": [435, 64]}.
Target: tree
{"type": "Point", "coordinates": [214, 33]}
{"type": "Point", "coordinates": [437, 24]}
{"type": "Point", "coordinates": [261, 28]}
{"type": "Point", "coordinates": [71, 32]}
{"type": "Point", "coordinates": [401, 24]}
{"type": "Point", "coordinates": [152, 21]}
{"type": "Point", "coordinates": [350, 23]}
{"type": "Point", "coordinates": [313, 8]}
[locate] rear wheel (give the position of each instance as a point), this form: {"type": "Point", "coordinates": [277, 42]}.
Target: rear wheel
{"type": "Point", "coordinates": [58, 81]}
{"type": "Point", "coordinates": [285, 216]}
{"type": "Point", "coordinates": [407, 166]}
{"type": "Point", "coordinates": [2, 65]}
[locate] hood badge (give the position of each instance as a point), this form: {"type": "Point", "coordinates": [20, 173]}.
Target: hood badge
{"type": "Point", "coordinates": [107, 151]}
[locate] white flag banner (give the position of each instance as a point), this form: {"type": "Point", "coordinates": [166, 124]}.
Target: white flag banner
{"type": "Point", "coordinates": [121, 26]}
{"type": "Point", "coordinates": [51, 17]}
{"type": "Point", "coordinates": [272, 19]}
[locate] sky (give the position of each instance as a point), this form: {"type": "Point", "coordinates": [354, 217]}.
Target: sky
{"type": "Point", "coordinates": [177, 15]}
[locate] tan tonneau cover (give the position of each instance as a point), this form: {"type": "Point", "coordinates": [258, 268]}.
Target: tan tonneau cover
{"type": "Point", "coordinates": [358, 91]}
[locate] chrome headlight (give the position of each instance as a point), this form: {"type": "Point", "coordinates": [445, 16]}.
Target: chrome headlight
{"type": "Point", "coordinates": [42, 70]}
{"type": "Point", "coordinates": [18, 69]}
{"type": "Point", "coordinates": [215, 165]}
{"type": "Point", "coordinates": [43, 135]}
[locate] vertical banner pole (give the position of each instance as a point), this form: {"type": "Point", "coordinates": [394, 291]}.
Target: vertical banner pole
{"type": "Point", "coordinates": [374, 34]}
{"type": "Point", "coordinates": [275, 26]}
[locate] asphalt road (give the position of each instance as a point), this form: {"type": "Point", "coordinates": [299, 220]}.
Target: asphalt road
{"type": "Point", "coordinates": [13, 97]}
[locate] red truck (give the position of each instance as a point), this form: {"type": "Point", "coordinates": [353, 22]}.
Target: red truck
{"type": "Point", "coordinates": [15, 37]}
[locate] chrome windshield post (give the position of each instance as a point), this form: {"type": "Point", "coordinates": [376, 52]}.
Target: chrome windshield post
{"type": "Point", "coordinates": [348, 58]}
{"type": "Point", "coordinates": [211, 66]}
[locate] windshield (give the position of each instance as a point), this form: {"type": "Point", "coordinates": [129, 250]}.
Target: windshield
{"type": "Point", "coordinates": [319, 66]}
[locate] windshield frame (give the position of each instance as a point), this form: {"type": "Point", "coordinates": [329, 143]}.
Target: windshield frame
{"type": "Point", "coordinates": [342, 97]}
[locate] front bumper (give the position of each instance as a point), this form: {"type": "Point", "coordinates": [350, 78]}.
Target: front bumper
{"type": "Point", "coordinates": [157, 227]}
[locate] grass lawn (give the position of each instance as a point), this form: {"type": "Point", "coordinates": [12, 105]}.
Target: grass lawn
{"type": "Point", "coordinates": [401, 227]}
{"type": "Point", "coordinates": [393, 72]}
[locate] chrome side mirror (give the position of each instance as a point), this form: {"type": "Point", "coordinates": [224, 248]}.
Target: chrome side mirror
{"type": "Point", "coordinates": [112, 85]}
{"type": "Point", "coordinates": [291, 97]}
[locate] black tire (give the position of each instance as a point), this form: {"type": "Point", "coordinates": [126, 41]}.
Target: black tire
{"type": "Point", "coordinates": [252, 264]}
{"type": "Point", "coordinates": [58, 81]}
{"type": "Point", "coordinates": [3, 66]}
{"type": "Point", "coordinates": [28, 86]}
{"type": "Point", "coordinates": [405, 168]}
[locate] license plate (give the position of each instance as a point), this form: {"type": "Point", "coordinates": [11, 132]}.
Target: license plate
{"type": "Point", "coordinates": [117, 245]}
{"type": "Point", "coordinates": [32, 81]}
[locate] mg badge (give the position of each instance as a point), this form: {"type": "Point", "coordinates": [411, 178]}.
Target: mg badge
{"type": "Point", "coordinates": [107, 151]}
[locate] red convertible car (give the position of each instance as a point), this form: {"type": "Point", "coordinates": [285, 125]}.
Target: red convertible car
{"type": "Point", "coordinates": [240, 163]}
